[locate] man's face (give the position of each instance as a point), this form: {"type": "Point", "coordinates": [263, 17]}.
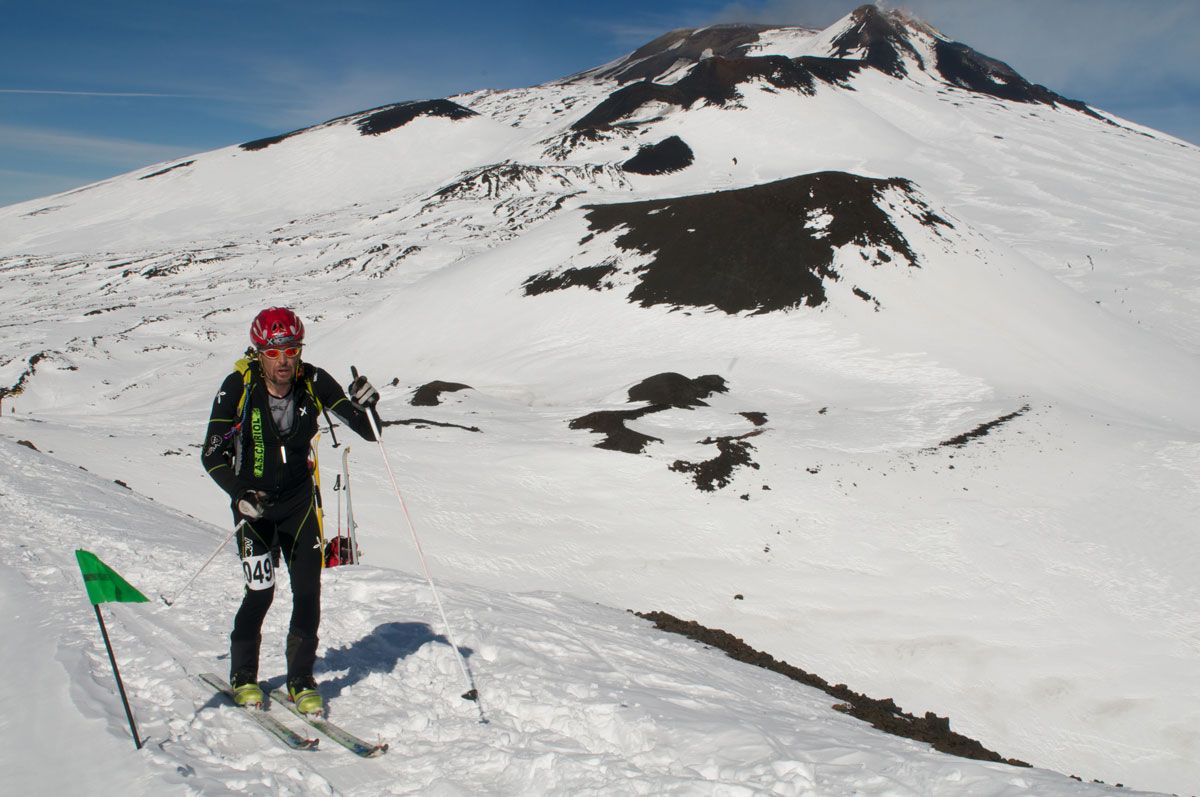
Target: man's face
{"type": "Point", "coordinates": [279, 364]}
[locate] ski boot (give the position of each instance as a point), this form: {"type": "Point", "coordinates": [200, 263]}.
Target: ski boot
{"type": "Point", "coordinates": [246, 691]}
{"type": "Point", "coordinates": [303, 692]}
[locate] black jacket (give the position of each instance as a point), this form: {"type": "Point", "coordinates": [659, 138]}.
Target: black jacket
{"type": "Point", "coordinates": [245, 451]}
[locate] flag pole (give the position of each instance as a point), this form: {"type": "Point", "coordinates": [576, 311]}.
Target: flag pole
{"type": "Point", "coordinates": [137, 740]}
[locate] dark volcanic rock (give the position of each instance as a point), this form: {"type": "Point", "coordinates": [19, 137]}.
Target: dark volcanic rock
{"type": "Point", "coordinates": [592, 277]}
{"type": "Point", "coordinates": [713, 474]}
{"type": "Point", "coordinates": [430, 395]}
{"type": "Point", "coordinates": [168, 169]}
{"type": "Point", "coordinates": [390, 117]}
{"type": "Point", "coordinates": [982, 430]}
{"type": "Point", "coordinates": [669, 155]}
{"type": "Point", "coordinates": [676, 390]}
{"type": "Point", "coordinates": [263, 143]}
{"type": "Point", "coordinates": [660, 392]}
{"type": "Point", "coordinates": [880, 37]}
{"type": "Point", "coordinates": [883, 715]}
{"type": "Point", "coordinates": [687, 44]}
{"type": "Point", "coordinates": [611, 424]}
{"type": "Point", "coordinates": [714, 80]}
{"type": "Point", "coordinates": [961, 66]}
{"type": "Point", "coordinates": [422, 423]}
{"type": "Point", "coordinates": [374, 121]}
{"type": "Point", "coordinates": [752, 249]}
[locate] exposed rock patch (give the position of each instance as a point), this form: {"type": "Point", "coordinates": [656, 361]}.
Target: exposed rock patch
{"type": "Point", "coordinates": [884, 38]}
{"type": "Point", "coordinates": [713, 474]}
{"type": "Point", "coordinates": [981, 430]}
{"type": "Point", "coordinates": [500, 180]}
{"type": "Point", "coordinates": [669, 155]}
{"type": "Point", "coordinates": [19, 386]}
{"type": "Point", "coordinates": [883, 715]}
{"type": "Point", "coordinates": [676, 390]}
{"type": "Point", "coordinates": [389, 117]}
{"type": "Point", "coordinates": [713, 80]}
{"type": "Point", "coordinates": [659, 392]}
{"type": "Point", "coordinates": [760, 249]}
{"type": "Point", "coordinates": [262, 143]}
{"type": "Point", "coordinates": [168, 169]}
{"type": "Point", "coordinates": [880, 39]}
{"type": "Point", "coordinates": [421, 422]}
{"type": "Point", "coordinates": [593, 277]}
{"type": "Point", "coordinates": [430, 394]}
{"type": "Point", "coordinates": [611, 424]}
{"type": "Point", "coordinates": [376, 121]}
{"type": "Point", "coordinates": [964, 67]}
{"type": "Point", "coordinates": [662, 54]}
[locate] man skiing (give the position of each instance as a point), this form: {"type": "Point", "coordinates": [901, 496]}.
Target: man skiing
{"type": "Point", "coordinates": [257, 450]}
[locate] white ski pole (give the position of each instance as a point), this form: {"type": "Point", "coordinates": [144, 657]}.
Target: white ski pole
{"type": "Point", "coordinates": [195, 575]}
{"type": "Point", "coordinates": [351, 526]}
{"type": "Point", "coordinates": [472, 693]}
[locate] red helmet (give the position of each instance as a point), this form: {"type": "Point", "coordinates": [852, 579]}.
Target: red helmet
{"type": "Point", "coordinates": [276, 326]}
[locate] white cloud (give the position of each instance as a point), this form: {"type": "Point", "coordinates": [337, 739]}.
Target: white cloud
{"type": "Point", "coordinates": [75, 146]}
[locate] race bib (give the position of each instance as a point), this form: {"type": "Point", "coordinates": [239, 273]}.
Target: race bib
{"type": "Point", "coordinates": [259, 572]}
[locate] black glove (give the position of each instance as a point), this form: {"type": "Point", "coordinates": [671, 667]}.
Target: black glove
{"type": "Point", "coordinates": [252, 504]}
{"type": "Point", "coordinates": [362, 393]}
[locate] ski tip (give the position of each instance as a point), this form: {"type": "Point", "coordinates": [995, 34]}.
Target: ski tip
{"type": "Point", "coordinates": [164, 600]}
{"type": "Point", "coordinates": [472, 695]}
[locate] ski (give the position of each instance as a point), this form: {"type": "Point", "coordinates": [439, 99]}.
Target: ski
{"type": "Point", "coordinates": [334, 732]}
{"type": "Point", "coordinates": [267, 722]}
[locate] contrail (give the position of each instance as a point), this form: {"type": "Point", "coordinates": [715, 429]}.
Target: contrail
{"type": "Point", "coordinates": [90, 93]}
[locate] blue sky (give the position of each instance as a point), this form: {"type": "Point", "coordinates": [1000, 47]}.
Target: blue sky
{"type": "Point", "coordinates": [93, 89]}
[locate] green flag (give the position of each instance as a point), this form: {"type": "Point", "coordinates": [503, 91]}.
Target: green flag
{"type": "Point", "coordinates": [102, 582]}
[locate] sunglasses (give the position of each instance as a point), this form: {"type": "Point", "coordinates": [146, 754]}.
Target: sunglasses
{"type": "Point", "coordinates": [273, 354]}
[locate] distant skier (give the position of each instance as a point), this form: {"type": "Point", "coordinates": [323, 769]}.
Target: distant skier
{"type": "Point", "coordinates": [257, 450]}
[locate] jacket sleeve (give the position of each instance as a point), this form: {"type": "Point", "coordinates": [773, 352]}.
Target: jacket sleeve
{"type": "Point", "coordinates": [333, 398]}
{"type": "Point", "coordinates": [218, 447]}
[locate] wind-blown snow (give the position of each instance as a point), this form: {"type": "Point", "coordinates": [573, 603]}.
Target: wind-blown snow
{"type": "Point", "coordinates": [1035, 585]}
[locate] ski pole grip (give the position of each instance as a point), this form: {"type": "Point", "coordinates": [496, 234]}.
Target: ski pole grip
{"type": "Point", "coordinates": [372, 413]}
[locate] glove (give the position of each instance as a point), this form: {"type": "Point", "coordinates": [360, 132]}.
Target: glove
{"type": "Point", "coordinates": [252, 504]}
{"type": "Point", "coordinates": [362, 393]}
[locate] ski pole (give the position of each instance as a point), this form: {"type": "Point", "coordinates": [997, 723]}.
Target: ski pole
{"type": "Point", "coordinates": [328, 420]}
{"type": "Point", "coordinates": [350, 524]}
{"type": "Point", "coordinates": [472, 693]}
{"type": "Point", "coordinates": [183, 589]}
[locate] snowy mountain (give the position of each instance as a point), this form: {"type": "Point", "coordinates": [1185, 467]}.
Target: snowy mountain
{"type": "Point", "coordinates": [852, 343]}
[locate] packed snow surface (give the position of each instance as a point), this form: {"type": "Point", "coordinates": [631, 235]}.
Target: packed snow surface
{"type": "Point", "coordinates": [576, 698]}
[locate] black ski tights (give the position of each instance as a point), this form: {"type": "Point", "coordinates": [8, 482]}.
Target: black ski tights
{"type": "Point", "coordinates": [290, 529]}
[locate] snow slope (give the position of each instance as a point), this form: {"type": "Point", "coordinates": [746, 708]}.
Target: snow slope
{"type": "Point", "coordinates": [1033, 583]}
{"type": "Point", "coordinates": [578, 698]}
